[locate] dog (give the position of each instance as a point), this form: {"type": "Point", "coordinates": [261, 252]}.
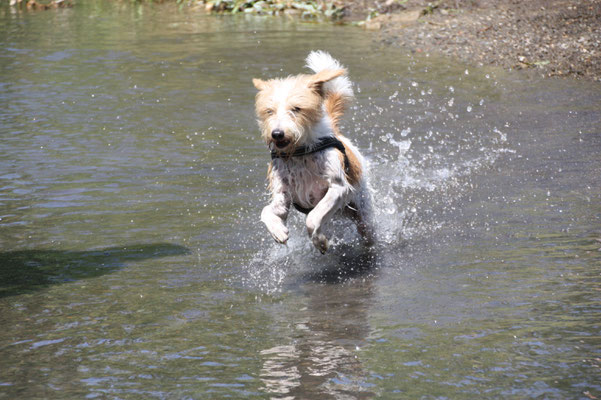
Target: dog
{"type": "Point", "coordinates": [314, 167]}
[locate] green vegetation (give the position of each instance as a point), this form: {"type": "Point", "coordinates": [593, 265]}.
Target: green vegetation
{"type": "Point", "coordinates": [307, 9]}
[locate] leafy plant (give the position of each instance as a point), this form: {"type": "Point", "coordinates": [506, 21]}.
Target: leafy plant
{"type": "Point", "coordinates": [309, 9]}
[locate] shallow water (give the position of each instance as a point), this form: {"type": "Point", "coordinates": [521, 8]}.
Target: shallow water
{"type": "Point", "coordinates": [133, 264]}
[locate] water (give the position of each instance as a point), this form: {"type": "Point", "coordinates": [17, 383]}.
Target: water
{"type": "Point", "coordinates": [133, 264]}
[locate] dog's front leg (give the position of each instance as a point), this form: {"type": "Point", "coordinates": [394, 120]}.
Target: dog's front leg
{"type": "Point", "coordinates": [331, 202]}
{"type": "Point", "coordinates": [274, 215]}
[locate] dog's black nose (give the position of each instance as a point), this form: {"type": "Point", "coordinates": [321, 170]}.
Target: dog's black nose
{"type": "Point", "coordinates": [277, 134]}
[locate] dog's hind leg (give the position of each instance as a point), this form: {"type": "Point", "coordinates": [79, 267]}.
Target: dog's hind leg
{"type": "Point", "coordinates": [363, 220]}
{"type": "Point", "coordinates": [365, 216]}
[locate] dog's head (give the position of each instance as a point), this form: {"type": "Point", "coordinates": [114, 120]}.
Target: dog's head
{"type": "Point", "coordinates": [288, 109]}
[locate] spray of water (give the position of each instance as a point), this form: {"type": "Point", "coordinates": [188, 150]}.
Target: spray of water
{"type": "Point", "coordinates": [424, 147]}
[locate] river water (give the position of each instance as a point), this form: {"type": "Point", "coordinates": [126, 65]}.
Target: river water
{"type": "Point", "coordinates": [133, 264]}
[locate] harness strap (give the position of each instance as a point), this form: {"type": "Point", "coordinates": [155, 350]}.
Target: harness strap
{"type": "Point", "coordinates": [302, 209]}
{"type": "Point", "coordinates": [308, 210]}
{"type": "Point", "coordinates": [322, 144]}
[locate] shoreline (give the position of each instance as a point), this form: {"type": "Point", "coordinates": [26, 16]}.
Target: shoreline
{"type": "Point", "coordinates": [550, 37]}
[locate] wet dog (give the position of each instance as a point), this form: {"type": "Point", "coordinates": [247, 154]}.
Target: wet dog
{"type": "Point", "coordinates": [314, 167]}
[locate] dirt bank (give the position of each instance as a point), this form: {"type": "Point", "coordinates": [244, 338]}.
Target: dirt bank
{"type": "Point", "coordinates": [555, 37]}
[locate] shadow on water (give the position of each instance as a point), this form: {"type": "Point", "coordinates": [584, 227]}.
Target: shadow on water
{"type": "Point", "coordinates": [348, 262]}
{"type": "Point", "coordinates": [25, 271]}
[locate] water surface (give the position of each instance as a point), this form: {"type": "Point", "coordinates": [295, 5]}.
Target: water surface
{"type": "Point", "coordinates": [133, 263]}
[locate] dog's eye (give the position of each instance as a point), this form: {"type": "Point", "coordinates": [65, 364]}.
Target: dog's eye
{"type": "Point", "coordinates": [269, 111]}
{"type": "Point", "coordinates": [296, 110]}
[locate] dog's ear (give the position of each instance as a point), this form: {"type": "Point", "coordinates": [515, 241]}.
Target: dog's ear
{"type": "Point", "coordinates": [317, 80]}
{"type": "Point", "coordinates": [259, 84]}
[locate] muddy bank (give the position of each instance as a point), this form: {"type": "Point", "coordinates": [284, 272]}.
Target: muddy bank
{"type": "Point", "coordinates": [550, 37]}
{"type": "Point", "coordinates": [553, 37]}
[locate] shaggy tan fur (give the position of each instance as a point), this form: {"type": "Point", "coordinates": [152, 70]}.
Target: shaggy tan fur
{"type": "Point", "coordinates": [353, 172]}
{"type": "Point", "coordinates": [292, 104]}
{"type": "Point", "coordinates": [335, 105]}
{"type": "Point", "coordinates": [298, 111]}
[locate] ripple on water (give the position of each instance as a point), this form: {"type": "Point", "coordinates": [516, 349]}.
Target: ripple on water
{"type": "Point", "coordinates": [134, 265]}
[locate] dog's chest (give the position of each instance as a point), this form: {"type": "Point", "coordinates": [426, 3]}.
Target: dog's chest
{"type": "Point", "coordinates": [306, 180]}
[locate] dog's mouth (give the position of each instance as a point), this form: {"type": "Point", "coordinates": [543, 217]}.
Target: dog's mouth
{"type": "Point", "coordinates": [280, 144]}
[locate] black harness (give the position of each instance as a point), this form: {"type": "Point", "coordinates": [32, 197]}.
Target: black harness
{"type": "Point", "coordinates": [322, 144]}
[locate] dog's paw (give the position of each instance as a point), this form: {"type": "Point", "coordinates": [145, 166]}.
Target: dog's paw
{"type": "Point", "coordinates": [320, 242]}
{"type": "Point", "coordinates": [279, 233]}
{"type": "Point", "coordinates": [277, 229]}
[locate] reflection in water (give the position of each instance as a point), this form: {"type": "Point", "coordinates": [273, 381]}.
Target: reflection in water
{"type": "Point", "coordinates": [280, 373]}
{"type": "Point", "coordinates": [321, 359]}
{"type": "Point", "coordinates": [138, 127]}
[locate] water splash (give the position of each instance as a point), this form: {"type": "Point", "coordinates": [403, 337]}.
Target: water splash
{"type": "Point", "coordinates": [424, 148]}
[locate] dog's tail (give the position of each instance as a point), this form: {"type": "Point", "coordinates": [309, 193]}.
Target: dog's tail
{"type": "Point", "coordinates": [339, 91]}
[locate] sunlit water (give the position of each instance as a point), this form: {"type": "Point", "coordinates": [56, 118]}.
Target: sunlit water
{"type": "Point", "coordinates": [133, 264]}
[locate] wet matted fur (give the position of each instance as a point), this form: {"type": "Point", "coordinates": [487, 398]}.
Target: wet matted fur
{"type": "Point", "coordinates": [299, 111]}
